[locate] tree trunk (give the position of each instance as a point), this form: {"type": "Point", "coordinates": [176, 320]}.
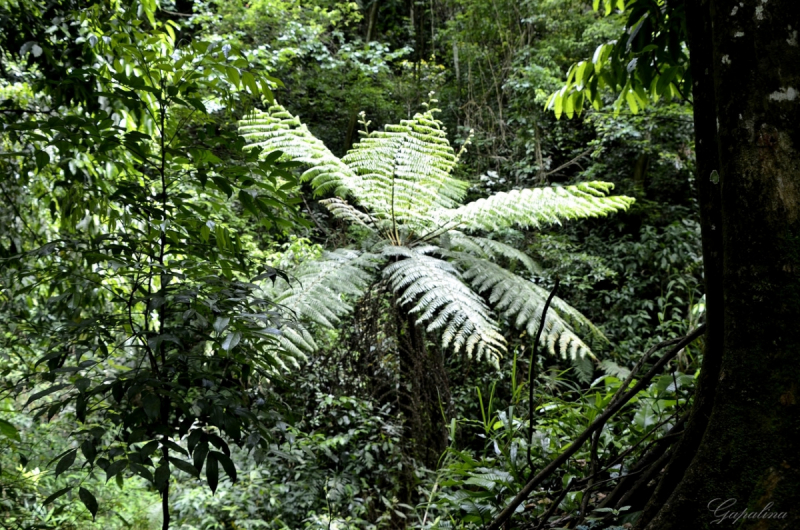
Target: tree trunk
{"type": "Point", "coordinates": [747, 457]}
{"type": "Point", "coordinates": [351, 131]}
{"type": "Point", "coordinates": [372, 20]}
{"type": "Point", "coordinates": [707, 154]}
{"type": "Point", "coordinates": [640, 173]}
{"type": "Point", "coordinates": [423, 383]}
{"type": "Point", "coordinates": [423, 373]}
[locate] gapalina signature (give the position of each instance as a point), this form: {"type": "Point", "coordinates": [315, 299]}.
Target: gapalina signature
{"type": "Point", "coordinates": [723, 512]}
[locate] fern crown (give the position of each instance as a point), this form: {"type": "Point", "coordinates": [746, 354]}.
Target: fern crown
{"type": "Point", "coordinates": [397, 185]}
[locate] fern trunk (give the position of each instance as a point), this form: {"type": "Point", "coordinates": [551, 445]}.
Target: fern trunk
{"type": "Point", "coordinates": [427, 394]}
{"type": "Point", "coordinates": [746, 457]}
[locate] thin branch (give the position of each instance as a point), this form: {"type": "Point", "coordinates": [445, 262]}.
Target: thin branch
{"type": "Point", "coordinates": [641, 362]}
{"type": "Point", "coordinates": [675, 431]}
{"type": "Point", "coordinates": [553, 507]}
{"type": "Point", "coordinates": [592, 472]}
{"type": "Point", "coordinates": [532, 370]}
{"type": "Point", "coordinates": [176, 14]}
{"type": "Point", "coordinates": [573, 161]}
{"type": "Point", "coordinates": [310, 214]}
{"type": "Point", "coordinates": [612, 409]}
{"type": "Point", "coordinates": [13, 204]}
{"type": "Point", "coordinates": [645, 478]}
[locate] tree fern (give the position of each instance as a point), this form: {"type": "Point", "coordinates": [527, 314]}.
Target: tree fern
{"type": "Point", "coordinates": [489, 248]}
{"type": "Point", "coordinates": [397, 184]}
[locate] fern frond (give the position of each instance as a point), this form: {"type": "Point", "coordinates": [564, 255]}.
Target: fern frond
{"type": "Point", "coordinates": [278, 130]}
{"type": "Point", "coordinates": [406, 170]}
{"type": "Point", "coordinates": [443, 301]}
{"type": "Point", "coordinates": [522, 302]}
{"type": "Point", "coordinates": [344, 211]}
{"type": "Point", "coordinates": [402, 172]}
{"type": "Point", "coordinates": [535, 207]}
{"type": "Point", "coordinates": [319, 294]}
{"type": "Point", "coordinates": [613, 369]}
{"type": "Point", "coordinates": [584, 368]}
{"type": "Point", "coordinates": [489, 248]}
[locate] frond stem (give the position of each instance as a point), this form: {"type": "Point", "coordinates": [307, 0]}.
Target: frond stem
{"type": "Point", "coordinates": [532, 370]}
{"type": "Point", "coordinates": [434, 233]}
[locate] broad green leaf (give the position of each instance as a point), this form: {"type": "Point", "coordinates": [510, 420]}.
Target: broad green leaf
{"type": "Point", "coordinates": [199, 455]}
{"type": "Point", "coordinates": [149, 448]}
{"type": "Point", "coordinates": [8, 430]}
{"type": "Point", "coordinates": [197, 104]}
{"type": "Point", "coordinates": [88, 500]}
{"type": "Point", "coordinates": [42, 159]}
{"type": "Point", "coordinates": [221, 323]}
{"type": "Point", "coordinates": [640, 94]}
{"type": "Point", "coordinates": [250, 82]}
{"type": "Point", "coordinates": [212, 472]}
{"type": "Point", "coordinates": [559, 103]}
{"type": "Point", "coordinates": [169, 444]}
{"type": "Point", "coordinates": [66, 461]}
{"type": "Point", "coordinates": [233, 75]}
{"type": "Point", "coordinates": [82, 383]}
{"type": "Point", "coordinates": [184, 466]}
{"type": "Point", "coordinates": [578, 102]}
{"type": "Point", "coordinates": [231, 340]}
{"type": "Point", "coordinates": [582, 74]}
{"type": "Point", "coordinates": [665, 79]}
{"type": "Point", "coordinates": [57, 494]}
{"type": "Point", "coordinates": [115, 468]}
{"type": "Point", "coordinates": [88, 450]}
{"type": "Point", "coordinates": [247, 201]}
{"type": "Point", "coordinates": [630, 97]}
{"type": "Point", "coordinates": [46, 392]}
{"type": "Point", "coordinates": [569, 105]}
{"type": "Point", "coordinates": [223, 185]}
{"type": "Point", "coordinates": [227, 464]}
{"type": "Point", "coordinates": [265, 89]}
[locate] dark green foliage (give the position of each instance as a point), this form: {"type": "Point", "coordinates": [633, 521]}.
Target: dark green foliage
{"type": "Point", "coordinates": [647, 61]}
{"type": "Point", "coordinates": [142, 313]}
{"type": "Point", "coordinates": [139, 324]}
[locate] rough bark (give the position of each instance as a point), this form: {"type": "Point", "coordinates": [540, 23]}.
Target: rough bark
{"type": "Point", "coordinates": [708, 193]}
{"type": "Point", "coordinates": [747, 452]}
